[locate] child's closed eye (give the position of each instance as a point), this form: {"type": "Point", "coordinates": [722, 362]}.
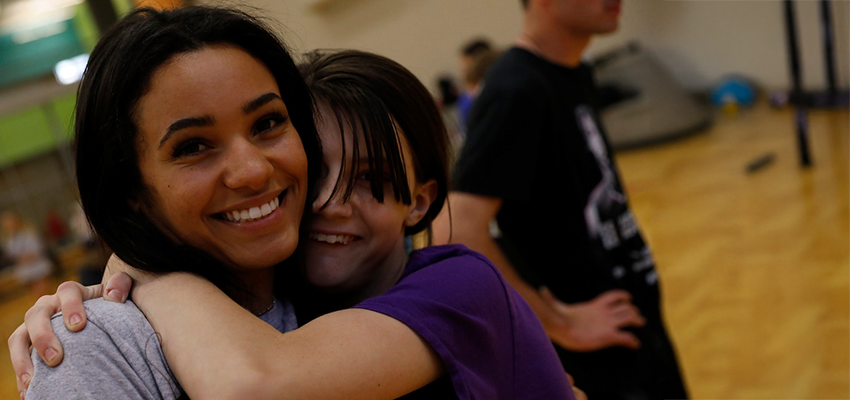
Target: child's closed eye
{"type": "Point", "coordinates": [369, 176]}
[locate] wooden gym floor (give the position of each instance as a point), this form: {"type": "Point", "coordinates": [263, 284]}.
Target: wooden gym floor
{"type": "Point", "coordinates": [754, 267]}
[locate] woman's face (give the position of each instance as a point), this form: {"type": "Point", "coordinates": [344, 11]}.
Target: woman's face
{"type": "Point", "coordinates": [223, 166]}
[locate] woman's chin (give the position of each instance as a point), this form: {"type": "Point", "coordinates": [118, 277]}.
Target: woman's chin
{"type": "Point", "coordinates": [258, 261]}
{"type": "Point", "coordinates": [268, 253]}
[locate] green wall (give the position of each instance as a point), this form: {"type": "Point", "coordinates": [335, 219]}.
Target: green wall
{"type": "Point", "coordinates": [27, 133]}
{"type": "Point", "coordinates": [23, 61]}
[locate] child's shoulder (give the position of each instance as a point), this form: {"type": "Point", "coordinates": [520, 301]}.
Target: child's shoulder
{"type": "Point", "coordinates": [449, 255]}
{"type": "Point", "coordinates": [454, 265]}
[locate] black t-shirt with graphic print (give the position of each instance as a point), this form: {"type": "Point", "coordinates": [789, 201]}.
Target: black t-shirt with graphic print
{"type": "Point", "coordinates": [535, 142]}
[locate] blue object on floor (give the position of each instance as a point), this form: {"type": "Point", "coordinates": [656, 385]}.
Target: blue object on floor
{"type": "Point", "coordinates": [733, 90]}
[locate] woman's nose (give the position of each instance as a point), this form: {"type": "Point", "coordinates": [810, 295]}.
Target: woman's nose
{"type": "Point", "coordinates": [247, 166]}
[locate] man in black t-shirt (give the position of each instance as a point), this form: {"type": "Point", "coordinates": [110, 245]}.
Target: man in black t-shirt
{"type": "Point", "coordinates": [537, 161]}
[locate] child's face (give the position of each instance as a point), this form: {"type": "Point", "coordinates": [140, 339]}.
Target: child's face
{"type": "Point", "coordinates": [356, 248]}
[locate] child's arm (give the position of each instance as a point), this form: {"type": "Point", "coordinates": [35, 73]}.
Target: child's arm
{"type": "Point", "coordinates": [216, 349]}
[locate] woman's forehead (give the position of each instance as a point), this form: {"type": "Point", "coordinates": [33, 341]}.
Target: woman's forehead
{"type": "Point", "coordinates": [204, 82]}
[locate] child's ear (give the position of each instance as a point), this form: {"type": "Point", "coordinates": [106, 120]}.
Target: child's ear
{"type": "Point", "coordinates": [423, 195]}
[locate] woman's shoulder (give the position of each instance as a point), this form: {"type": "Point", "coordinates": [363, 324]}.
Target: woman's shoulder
{"type": "Point", "coordinates": [118, 331]}
{"type": "Point", "coordinates": [118, 350]}
{"type": "Point", "coordinates": [120, 320]}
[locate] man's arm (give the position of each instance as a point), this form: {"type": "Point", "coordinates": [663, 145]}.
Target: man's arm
{"type": "Point", "coordinates": [470, 225]}
{"type": "Point", "coordinates": [587, 326]}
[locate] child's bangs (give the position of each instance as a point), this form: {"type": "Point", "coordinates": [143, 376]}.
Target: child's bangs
{"type": "Point", "coordinates": [371, 125]}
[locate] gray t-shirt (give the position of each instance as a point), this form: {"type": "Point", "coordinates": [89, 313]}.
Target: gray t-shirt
{"type": "Point", "coordinates": [118, 356]}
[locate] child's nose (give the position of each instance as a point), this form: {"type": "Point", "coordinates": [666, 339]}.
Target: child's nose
{"type": "Point", "coordinates": [331, 205]}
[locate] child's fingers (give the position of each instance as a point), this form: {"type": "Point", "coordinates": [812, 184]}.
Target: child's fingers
{"type": "Point", "coordinates": [71, 296]}
{"type": "Point", "coordinates": [118, 287]}
{"type": "Point", "coordinates": [37, 321]}
{"type": "Point", "coordinates": [19, 352]}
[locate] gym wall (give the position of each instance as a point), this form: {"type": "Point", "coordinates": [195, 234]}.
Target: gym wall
{"type": "Point", "coordinates": [699, 41]}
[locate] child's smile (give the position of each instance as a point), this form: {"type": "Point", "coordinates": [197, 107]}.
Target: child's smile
{"type": "Point", "coordinates": [356, 245]}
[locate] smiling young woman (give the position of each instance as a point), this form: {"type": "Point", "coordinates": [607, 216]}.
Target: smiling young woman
{"type": "Point", "coordinates": [203, 111]}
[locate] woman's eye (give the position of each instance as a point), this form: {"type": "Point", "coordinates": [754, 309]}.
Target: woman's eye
{"type": "Point", "coordinates": [188, 149]}
{"type": "Point", "coordinates": [269, 123]}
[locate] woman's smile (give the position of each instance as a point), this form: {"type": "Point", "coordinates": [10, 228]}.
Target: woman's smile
{"type": "Point", "coordinates": [227, 172]}
{"type": "Point", "coordinates": [244, 214]}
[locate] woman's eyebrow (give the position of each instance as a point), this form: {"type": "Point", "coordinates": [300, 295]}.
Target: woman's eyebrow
{"type": "Point", "coordinates": [186, 123]}
{"type": "Point", "coordinates": [253, 105]}
{"type": "Point", "coordinates": [206, 120]}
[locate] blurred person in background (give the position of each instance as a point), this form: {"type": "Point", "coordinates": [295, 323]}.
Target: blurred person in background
{"type": "Point", "coordinates": [26, 251]}
{"type": "Point", "coordinates": [475, 57]}
{"type": "Point", "coordinates": [55, 229]}
{"type": "Point", "coordinates": [96, 251]}
{"type": "Point", "coordinates": [537, 161]}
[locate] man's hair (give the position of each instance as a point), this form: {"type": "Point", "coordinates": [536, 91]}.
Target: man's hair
{"type": "Point", "coordinates": [524, 4]}
{"type": "Point", "coordinates": [481, 62]}
{"type": "Point", "coordinates": [476, 46]}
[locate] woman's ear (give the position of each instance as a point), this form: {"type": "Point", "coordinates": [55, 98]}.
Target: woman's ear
{"type": "Point", "coordinates": [423, 195]}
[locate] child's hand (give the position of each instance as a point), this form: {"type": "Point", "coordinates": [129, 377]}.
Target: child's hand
{"type": "Point", "coordinates": [37, 332]}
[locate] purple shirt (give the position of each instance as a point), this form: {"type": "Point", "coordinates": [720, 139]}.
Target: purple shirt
{"type": "Point", "coordinates": [491, 342]}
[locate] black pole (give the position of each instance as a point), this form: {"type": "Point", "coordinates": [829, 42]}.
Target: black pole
{"type": "Point", "coordinates": [828, 45]}
{"type": "Point", "coordinates": [793, 53]}
{"type": "Point", "coordinates": [802, 122]}
{"type": "Point", "coordinates": [801, 118]}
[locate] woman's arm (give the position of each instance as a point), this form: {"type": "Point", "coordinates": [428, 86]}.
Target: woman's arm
{"type": "Point", "coordinates": [218, 350]}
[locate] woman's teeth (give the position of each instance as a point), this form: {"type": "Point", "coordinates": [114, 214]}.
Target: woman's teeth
{"type": "Point", "coordinates": [253, 213]}
{"type": "Point", "coordinates": [332, 239]}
